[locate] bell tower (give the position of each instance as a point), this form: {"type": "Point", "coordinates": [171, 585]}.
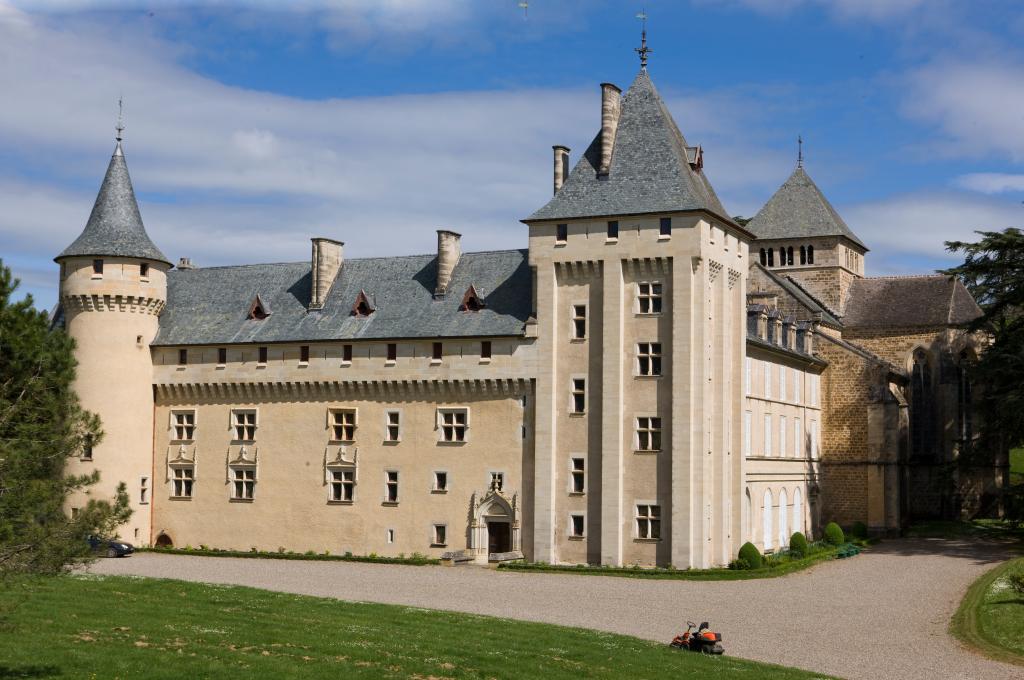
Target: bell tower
{"type": "Point", "coordinates": [113, 287]}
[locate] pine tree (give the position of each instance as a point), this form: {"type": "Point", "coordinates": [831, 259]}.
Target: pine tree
{"type": "Point", "coordinates": [41, 426]}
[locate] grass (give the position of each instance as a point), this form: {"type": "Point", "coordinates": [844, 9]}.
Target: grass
{"type": "Point", "coordinates": [990, 529]}
{"type": "Point", "coordinates": [776, 567]}
{"type": "Point", "coordinates": [991, 615]}
{"type": "Point", "coordinates": [119, 627]}
{"type": "Point", "coordinates": [415, 559]}
{"type": "Point", "coordinates": [1017, 466]}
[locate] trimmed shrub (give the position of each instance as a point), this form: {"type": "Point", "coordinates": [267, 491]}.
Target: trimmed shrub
{"type": "Point", "coordinates": [751, 555]}
{"type": "Point", "coordinates": [739, 564]}
{"type": "Point", "coordinates": [859, 530]}
{"type": "Point", "coordinates": [834, 534]}
{"type": "Point", "coordinates": [798, 544]}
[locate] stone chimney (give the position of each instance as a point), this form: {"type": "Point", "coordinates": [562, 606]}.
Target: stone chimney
{"type": "Point", "coordinates": [449, 249]}
{"type": "Point", "coordinates": [561, 166]}
{"type": "Point", "coordinates": [610, 106]}
{"type": "Point", "coordinates": [327, 259]}
{"type": "Point", "coordinates": [185, 263]}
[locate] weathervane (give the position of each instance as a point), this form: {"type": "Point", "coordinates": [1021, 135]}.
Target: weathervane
{"type": "Point", "coordinates": [643, 50]}
{"type": "Point", "coordinates": [120, 118]}
{"type": "Point", "coordinates": [799, 151]}
{"type": "Point", "coordinates": [525, 6]}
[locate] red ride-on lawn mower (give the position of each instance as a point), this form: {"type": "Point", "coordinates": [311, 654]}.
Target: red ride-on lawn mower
{"type": "Point", "coordinates": [698, 639]}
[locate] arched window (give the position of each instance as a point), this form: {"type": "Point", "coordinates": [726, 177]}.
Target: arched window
{"type": "Point", "coordinates": [810, 254]}
{"type": "Point", "coordinates": [783, 520]}
{"type": "Point", "coordinates": [789, 255]}
{"type": "Point", "coordinates": [782, 256]}
{"type": "Point", "coordinates": [764, 257]}
{"type": "Point", "coordinates": [965, 400]}
{"type": "Point", "coordinates": [747, 514]}
{"type": "Point", "coordinates": [803, 255]}
{"type": "Point", "coordinates": [922, 440]}
{"type": "Point", "coordinates": [766, 519]}
{"type": "Point", "coordinates": [771, 257]}
{"type": "Point", "coordinates": [798, 511]}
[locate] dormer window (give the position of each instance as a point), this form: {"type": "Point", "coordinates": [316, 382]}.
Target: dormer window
{"type": "Point", "coordinates": [259, 310]}
{"type": "Point", "coordinates": [472, 301]}
{"type": "Point", "coordinates": [362, 306]}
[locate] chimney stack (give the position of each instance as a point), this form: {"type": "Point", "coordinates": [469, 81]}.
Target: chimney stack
{"type": "Point", "coordinates": [610, 107]}
{"type": "Point", "coordinates": [449, 249]}
{"type": "Point", "coordinates": [561, 166]}
{"type": "Point", "coordinates": [327, 259]}
{"type": "Point", "coordinates": [185, 263]}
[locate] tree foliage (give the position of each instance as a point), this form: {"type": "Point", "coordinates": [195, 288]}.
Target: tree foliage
{"type": "Point", "coordinates": [41, 426]}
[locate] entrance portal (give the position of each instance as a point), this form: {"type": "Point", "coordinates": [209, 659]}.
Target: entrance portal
{"type": "Point", "coordinates": [499, 537]}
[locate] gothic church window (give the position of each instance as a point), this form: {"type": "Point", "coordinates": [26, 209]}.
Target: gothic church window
{"type": "Point", "coordinates": [803, 255]}
{"type": "Point", "coordinates": [922, 425]}
{"type": "Point", "coordinates": [771, 257]}
{"type": "Point", "coordinates": [810, 254]}
{"type": "Point", "coordinates": [965, 401]}
{"type": "Point", "coordinates": [789, 255]}
{"type": "Point", "coordinates": [764, 257]}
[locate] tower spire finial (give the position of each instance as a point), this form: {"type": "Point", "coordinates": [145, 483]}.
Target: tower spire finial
{"type": "Point", "coordinates": [799, 151]}
{"type": "Point", "coordinates": [120, 119]}
{"type": "Point", "coordinates": [643, 50]}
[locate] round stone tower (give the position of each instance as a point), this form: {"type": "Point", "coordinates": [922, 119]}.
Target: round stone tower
{"type": "Point", "coordinates": [113, 287]}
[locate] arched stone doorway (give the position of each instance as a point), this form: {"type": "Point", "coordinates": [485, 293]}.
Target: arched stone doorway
{"type": "Point", "coordinates": [494, 528]}
{"type": "Point", "coordinates": [164, 541]}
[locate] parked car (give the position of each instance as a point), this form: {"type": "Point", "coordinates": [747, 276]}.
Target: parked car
{"type": "Point", "coordinates": [110, 547]}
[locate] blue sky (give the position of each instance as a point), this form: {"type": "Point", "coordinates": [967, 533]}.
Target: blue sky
{"type": "Point", "coordinates": [251, 128]}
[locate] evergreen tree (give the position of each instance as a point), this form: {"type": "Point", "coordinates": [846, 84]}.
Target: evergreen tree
{"type": "Point", "coordinates": [41, 426]}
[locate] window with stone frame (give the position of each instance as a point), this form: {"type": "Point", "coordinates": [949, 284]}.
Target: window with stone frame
{"type": "Point", "coordinates": [453, 424]}
{"type": "Point", "coordinates": [143, 490]}
{"type": "Point", "coordinates": [577, 525]}
{"type": "Point", "coordinates": [342, 485]}
{"type": "Point", "coordinates": [343, 424]}
{"type": "Point", "coordinates": [579, 322]}
{"type": "Point", "coordinates": [648, 433]}
{"type": "Point", "coordinates": [392, 426]}
{"type": "Point", "coordinates": [87, 446]}
{"type": "Point", "coordinates": [244, 424]}
{"type": "Point", "coordinates": [439, 536]}
{"type": "Point", "coordinates": [561, 233]}
{"type": "Point", "coordinates": [578, 404]}
{"type": "Point", "coordinates": [648, 521]}
{"type": "Point", "coordinates": [183, 425]}
{"type": "Point", "coordinates": [648, 358]}
{"type": "Point", "coordinates": [577, 475]}
{"type": "Point", "coordinates": [767, 434]}
{"type": "Point", "coordinates": [440, 481]}
{"type": "Point", "coordinates": [648, 297]}
{"type": "Point", "coordinates": [391, 486]}
{"type": "Point", "coordinates": [183, 479]}
{"type": "Point", "coordinates": [243, 482]}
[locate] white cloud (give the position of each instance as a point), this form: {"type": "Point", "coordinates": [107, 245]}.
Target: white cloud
{"type": "Point", "coordinates": [874, 10]}
{"type": "Point", "coordinates": [991, 182]}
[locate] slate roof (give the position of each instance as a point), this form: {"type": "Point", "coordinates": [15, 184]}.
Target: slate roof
{"type": "Point", "coordinates": [797, 210]}
{"type": "Point", "coordinates": [898, 302]}
{"type": "Point", "coordinates": [207, 306]}
{"type": "Point", "coordinates": [649, 170]}
{"type": "Point", "coordinates": [115, 226]}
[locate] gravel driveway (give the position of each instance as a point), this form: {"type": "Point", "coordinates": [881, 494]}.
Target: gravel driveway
{"type": "Point", "coordinates": [882, 614]}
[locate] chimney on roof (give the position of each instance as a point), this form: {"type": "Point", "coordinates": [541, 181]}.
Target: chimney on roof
{"type": "Point", "coordinates": [561, 165]}
{"type": "Point", "coordinates": [449, 249]}
{"type": "Point", "coordinates": [610, 107]}
{"type": "Point", "coordinates": [185, 263]}
{"type": "Point", "coordinates": [326, 263]}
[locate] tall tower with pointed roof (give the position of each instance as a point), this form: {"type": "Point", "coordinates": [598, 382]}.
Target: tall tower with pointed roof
{"type": "Point", "coordinates": [801, 235]}
{"type": "Point", "coordinates": [113, 287]}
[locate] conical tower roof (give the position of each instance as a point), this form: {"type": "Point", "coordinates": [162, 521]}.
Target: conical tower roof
{"type": "Point", "coordinates": [650, 170]}
{"type": "Point", "coordinates": [115, 226]}
{"type": "Point", "coordinates": [797, 210]}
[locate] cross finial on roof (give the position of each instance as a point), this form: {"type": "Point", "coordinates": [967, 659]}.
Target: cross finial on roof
{"type": "Point", "coordinates": [120, 119]}
{"type": "Point", "coordinates": [799, 151]}
{"type": "Point", "coordinates": [643, 50]}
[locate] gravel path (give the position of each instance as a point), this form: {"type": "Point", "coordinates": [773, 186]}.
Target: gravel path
{"type": "Point", "coordinates": [882, 614]}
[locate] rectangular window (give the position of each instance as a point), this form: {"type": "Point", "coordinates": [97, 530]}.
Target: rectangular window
{"type": "Point", "coordinates": [438, 351]}
{"type": "Point", "coordinates": [613, 230]}
{"type": "Point", "coordinates": [782, 382]}
{"type": "Point", "coordinates": [497, 480]}
{"type": "Point", "coordinates": [748, 368]}
{"type": "Point", "coordinates": [143, 490]}
{"type": "Point", "coordinates": [262, 359]}
{"type": "Point", "coordinates": [392, 426]}
{"type": "Point", "coordinates": [390, 535]}
{"type": "Point", "coordinates": [391, 486]}
{"type": "Point", "coordinates": [346, 353]}
{"type": "Point", "coordinates": [577, 475]}
{"type": "Point", "coordinates": [579, 322]}
{"type": "Point", "coordinates": [244, 423]}
{"type": "Point", "coordinates": [782, 435]}
{"type": "Point", "coordinates": [485, 349]}
{"type": "Point", "coordinates": [767, 379]}
{"type": "Point", "coordinates": [440, 536]}
{"type": "Point", "coordinates": [182, 479]}
{"type": "Point", "coordinates": [343, 425]}
{"type": "Point", "coordinates": [747, 424]}
{"type": "Point", "coordinates": [814, 439]}
{"type": "Point", "coordinates": [87, 447]}
{"type": "Point", "coordinates": [648, 434]}
{"type": "Point", "coordinates": [648, 358]}
{"type": "Point", "coordinates": [222, 355]}
{"type": "Point", "coordinates": [304, 354]}
{"type": "Point", "coordinates": [666, 226]}
{"type": "Point", "coordinates": [579, 395]}
{"type": "Point", "coordinates": [144, 270]}
{"type": "Point", "coordinates": [577, 525]}
{"type": "Point", "coordinates": [182, 357]}
{"type": "Point", "coordinates": [243, 483]}
{"type": "Point", "coordinates": [796, 395]}
{"type": "Point", "coordinates": [649, 297]}
{"type": "Point", "coordinates": [798, 439]}
{"type": "Point", "coordinates": [392, 351]}
{"type": "Point", "coordinates": [343, 485]}
{"type": "Point", "coordinates": [97, 267]}
{"type": "Point", "coordinates": [184, 424]}
{"type": "Point", "coordinates": [453, 423]}
{"type": "Point", "coordinates": [440, 481]}
{"type": "Point", "coordinates": [561, 233]}
{"type": "Point", "coordinates": [767, 434]}
{"type": "Point", "coordinates": [648, 521]}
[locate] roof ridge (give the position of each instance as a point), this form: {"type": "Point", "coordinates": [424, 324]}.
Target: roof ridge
{"type": "Point", "coordinates": [907, 276]}
{"type": "Point", "coordinates": [350, 259]}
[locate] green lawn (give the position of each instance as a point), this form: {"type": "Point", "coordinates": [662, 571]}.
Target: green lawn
{"type": "Point", "coordinates": [991, 616]}
{"type": "Point", "coordinates": [117, 627]}
{"type": "Point", "coordinates": [1017, 465]}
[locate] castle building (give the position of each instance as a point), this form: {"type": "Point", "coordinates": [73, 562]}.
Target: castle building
{"type": "Point", "coordinates": [648, 382]}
